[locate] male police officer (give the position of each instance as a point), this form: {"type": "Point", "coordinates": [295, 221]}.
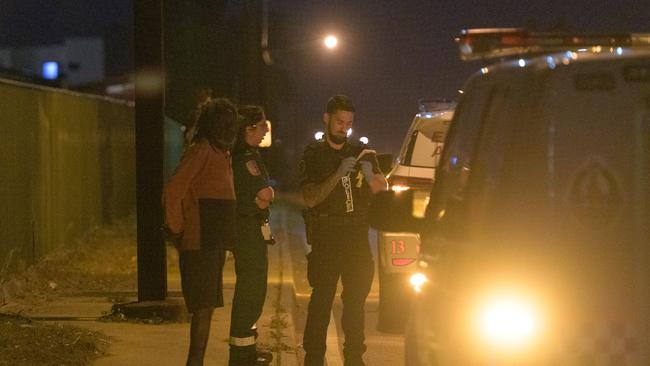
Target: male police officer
{"type": "Point", "coordinates": [336, 189]}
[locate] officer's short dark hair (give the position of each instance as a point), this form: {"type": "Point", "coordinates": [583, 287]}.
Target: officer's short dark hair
{"type": "Point", "coordinates": [339, 103]}
{"type": "Point", "coordinates": [248, 116]}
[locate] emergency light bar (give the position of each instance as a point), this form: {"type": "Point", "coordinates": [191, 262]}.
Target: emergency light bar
{"type": "Point", "coordinates": [491, 43]}
{"type": "Point", "coordinates": [435, 104]}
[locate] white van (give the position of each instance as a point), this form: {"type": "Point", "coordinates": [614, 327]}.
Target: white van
{"type": "Point", "coordinates": [414, 170]}
{"type": "Point", "coordinates": [536, 240]}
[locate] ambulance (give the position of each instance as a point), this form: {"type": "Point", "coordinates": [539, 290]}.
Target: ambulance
{"type": "Point", "coordinates": [535, 244]}
{"type": "Point", "coordinates": [413, 170]}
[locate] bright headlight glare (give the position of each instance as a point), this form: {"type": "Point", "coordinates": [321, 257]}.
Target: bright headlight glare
{"type": "Point", "coordinates": [417, 281]}
{"type": "Point", "coordinates": [399, 188]}
{"type": "Point", "coordinates": [508, 321]}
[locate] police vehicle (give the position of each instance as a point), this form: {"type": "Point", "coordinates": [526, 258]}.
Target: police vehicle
{"type": "Point", "coordinates": [413, 170]}
{"type": "Point", "coordinates": [536, 240]}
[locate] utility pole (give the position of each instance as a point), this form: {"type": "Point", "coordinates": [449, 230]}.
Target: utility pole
{"type": "Point", "coordinates": [149, 146]}
{"type": "Point", "coordinates": [149, 155]}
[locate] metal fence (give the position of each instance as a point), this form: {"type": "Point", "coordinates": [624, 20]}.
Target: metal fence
{"type": "Point", "coordinates": [67, 163]}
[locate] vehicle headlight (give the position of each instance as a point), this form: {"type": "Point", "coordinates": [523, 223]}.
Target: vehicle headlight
{"type": "Point", "coordinates": [418, 280]}
{"type": "Point", "coordinates": [508, 321]}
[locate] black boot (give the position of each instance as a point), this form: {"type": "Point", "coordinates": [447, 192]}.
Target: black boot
{"type": "Point", "coordinates": [242, 356]}
{"type": "Point", "coordinates": [263, 358]}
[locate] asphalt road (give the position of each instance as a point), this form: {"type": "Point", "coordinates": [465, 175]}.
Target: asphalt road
{"type": "Point", "coordinates": [383, 349]}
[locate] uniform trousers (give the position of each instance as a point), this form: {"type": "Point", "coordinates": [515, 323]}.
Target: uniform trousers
{"type": "Point", "coordinates": [340, 249]}
{"type": "Point", "coordinates": [251, 268]}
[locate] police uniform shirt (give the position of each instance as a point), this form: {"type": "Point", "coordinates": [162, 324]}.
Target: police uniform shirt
{"type": "Point", "coordinates": [351, 196]}
{"type": "Point", "coordinates": [250, 177]}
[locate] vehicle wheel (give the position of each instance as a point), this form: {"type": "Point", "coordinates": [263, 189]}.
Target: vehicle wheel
{"type": "Point", "coordinates": [394, 302]}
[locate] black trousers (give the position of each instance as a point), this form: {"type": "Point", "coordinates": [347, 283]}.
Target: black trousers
{"type": "Point", "coordinates": [339, 250]}
{"type": "Point", "coordinates": [251, 267]}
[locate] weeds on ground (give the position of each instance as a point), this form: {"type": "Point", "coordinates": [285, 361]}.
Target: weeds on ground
{"type": "Point", "coordinates": [103, 261]}
{"type": "Point", "coordinates": [26, 343]}
{"type": "Point", "coordinates": [119, 317]}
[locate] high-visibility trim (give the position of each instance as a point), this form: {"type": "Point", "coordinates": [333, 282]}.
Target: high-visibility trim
{"type": "Point", "coordinates": [242, 342]}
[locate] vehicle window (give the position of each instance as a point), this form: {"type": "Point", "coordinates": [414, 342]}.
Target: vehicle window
{"type": "Point", "coordinates": [455, 166]}
{"type": "Point", "coordinates": [424, 151]}
{"type": "Point", "coordinates": [500, 120]}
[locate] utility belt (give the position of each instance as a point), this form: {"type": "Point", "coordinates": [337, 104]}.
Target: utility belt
{"type": "Point", "coordinates": [317, 221]}
{"type": "Point", "coordinates": [329, 219]}
{"type": "Point", "coordinates": [263, 222]}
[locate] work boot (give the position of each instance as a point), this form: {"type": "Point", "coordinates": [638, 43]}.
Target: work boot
{"type": "Point", "coordinates": [242, 356]}
{"type": "Point", "coordinates": [354, 361]}
{"type": "Point", "coordinates": [263, 358]}
{"type": "Point", "coordinates": [314, 360]}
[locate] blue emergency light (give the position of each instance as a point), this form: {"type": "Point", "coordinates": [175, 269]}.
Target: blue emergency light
{"type": "Point", "coordinates": [50, 70]}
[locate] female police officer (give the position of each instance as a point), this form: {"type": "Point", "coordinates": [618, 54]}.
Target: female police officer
{"type": "Point", "coordinates": [254, 195]}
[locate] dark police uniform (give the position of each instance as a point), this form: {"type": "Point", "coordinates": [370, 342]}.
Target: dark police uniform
{"type": "Point", "coordinates": [251, 255]}
{"type": "Point", "coordinates": [338, 234]}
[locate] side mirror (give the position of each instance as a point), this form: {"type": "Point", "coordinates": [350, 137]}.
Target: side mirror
{"type": "Point", "coordinates": [393, 211]}
{"type": "Point", "coordinates": [385, 162]}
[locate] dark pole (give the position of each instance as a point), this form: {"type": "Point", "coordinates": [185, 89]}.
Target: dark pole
{"type": "Point", "coordinates": [149, 145]}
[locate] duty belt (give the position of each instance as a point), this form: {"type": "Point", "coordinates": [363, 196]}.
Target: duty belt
{"type": "Point", "coordinates": [323, 218]}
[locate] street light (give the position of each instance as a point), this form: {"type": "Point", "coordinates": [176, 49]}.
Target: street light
{"type": "Point", "coordinates": [331, 42]}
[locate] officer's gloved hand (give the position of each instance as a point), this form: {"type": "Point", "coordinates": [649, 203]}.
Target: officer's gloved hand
{"type": "Point", "coordinates": [366, 169]}
{"type": "Point", "coordinates": [346, 166]}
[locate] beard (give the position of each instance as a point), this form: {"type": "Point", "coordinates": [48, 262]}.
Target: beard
{"type": "Point", "coordinates": [336, 139]}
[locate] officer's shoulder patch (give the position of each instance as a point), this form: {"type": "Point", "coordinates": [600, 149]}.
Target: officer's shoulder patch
{"type": "Point", "coordinates": [252, 167]}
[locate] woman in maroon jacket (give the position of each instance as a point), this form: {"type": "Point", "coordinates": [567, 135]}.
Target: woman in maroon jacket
{"type": "Point", "coordinates": [199, 202]}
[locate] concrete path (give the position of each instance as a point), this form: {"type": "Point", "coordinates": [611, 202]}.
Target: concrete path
{"type": "Point", "coordinates": [166, 344]}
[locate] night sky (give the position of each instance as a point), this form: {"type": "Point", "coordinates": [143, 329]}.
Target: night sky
{"type": "Point", "coordinates": [391, 52]}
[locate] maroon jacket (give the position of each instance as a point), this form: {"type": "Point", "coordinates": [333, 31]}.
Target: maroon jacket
{"type": "Point", "coordinates": [199, 199]}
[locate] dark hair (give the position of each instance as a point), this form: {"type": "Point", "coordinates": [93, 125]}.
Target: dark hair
{"type": "Point", "coordinates": [339, 103]}
{"type": "Point", "coordinates": [248, 116]}
{"type": "Point", "coordinates": [217, 123]}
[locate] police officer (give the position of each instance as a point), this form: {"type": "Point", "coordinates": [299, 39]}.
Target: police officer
{"type": "Point", "coordinates": [254, 195]}
{"type": "Point", "coordinates": [336, 188]}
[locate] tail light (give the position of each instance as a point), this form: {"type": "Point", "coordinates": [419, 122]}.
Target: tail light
{"type": "Point", "coordinates": [400, 183]}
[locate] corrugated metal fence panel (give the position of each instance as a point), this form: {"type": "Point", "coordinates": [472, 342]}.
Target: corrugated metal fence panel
{"type": "Point", "coordinates": [18, 159]}
{"type": "Point", "coordinates": [67, 163]}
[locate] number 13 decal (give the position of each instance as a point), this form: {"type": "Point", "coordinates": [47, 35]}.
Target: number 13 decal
{"type": "Point", "coordinates": [398, 246]}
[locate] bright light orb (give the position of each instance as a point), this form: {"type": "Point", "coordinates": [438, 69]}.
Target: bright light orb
{"type": "Point", "coordinates": [418, 280]}
{"type": "Point", "coordinates": [364, 140]}
{"type": "Point", "coordinates": [319, 135]}
{"type": "Point", "coordinates": [349, 133]}
{"type": "Point", "coordinates": [50, 70]}
{"type": "Point", "coordinates": [508, 321]}
{"type": "Point", "coordinates": [331, 42]}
